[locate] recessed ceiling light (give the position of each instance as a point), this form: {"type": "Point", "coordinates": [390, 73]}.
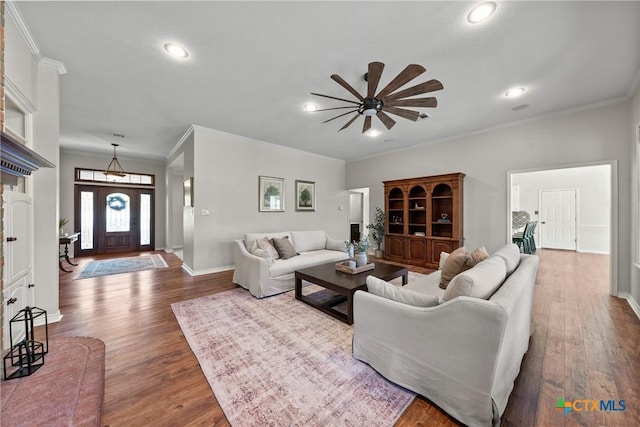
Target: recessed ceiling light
{"type": "Point", "coordinates": [481, 12]}
{"type": "Point", "coordinates": [372, 133]}
{"type": "Point", "coordinates": [310, 107]}
{"type": "Point", "coordinates": [175, 50]}
{"type": "Point", "coordinates": [515, 92]}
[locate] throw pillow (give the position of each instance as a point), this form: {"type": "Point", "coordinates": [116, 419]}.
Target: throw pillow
{"type": "Point", "coordinates": [265, 244]}
{"type": "Point", "coordinates": [389, 291]}
{"type": "Point", "coordinates": [263, 254]}
{"type": "Point", "coordinates": [478, 255]}
{"type": "Point", "coordinates": [479, 282]}
{"type": "Point", "coordinates": [456, 263]}
{"type": "Point", "coordinates": [443, 259]}
{"type": "Point", "coordinates": [284, 247]}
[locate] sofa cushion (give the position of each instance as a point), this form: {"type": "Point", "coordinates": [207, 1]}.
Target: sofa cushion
{"type": "Point", "coordinates": [265, 244]}
{"type": "Point", "coordinates": [443, 259]}
{"type": "Point", "coordinates": [305, 241]}
{"type": "Point", "coordinates": [335, 245]}
{"type": "Point", "coordinates": [284, 247]}
{"type": "Point", "coordinates": [262, 254]}
{"type": "Point", "coordinates": [304, 260]}
{"type": "Point", "coordinates": [480, 282]}
{"type": "Point", "coordinates": [478, 255]}
{"type": "Point", "coordinates": [510, 253]}
{"type": "Point", "coordinates": [387, 290]}
{"type": "Point", "coordinates": [250, 238]}
{"type": "Point", "coordinates": [456, 263]}
{"type": "Point", "coordinates": [428, 284]}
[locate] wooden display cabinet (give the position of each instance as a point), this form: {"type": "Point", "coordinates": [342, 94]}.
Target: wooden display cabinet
{"type": "Point", "coordinates": [424, 217]}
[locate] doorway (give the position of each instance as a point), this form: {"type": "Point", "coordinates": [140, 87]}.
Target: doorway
{"type": "Point", "coordinates": [113, 219]}
{"type": "Point", "coordinates": [574, 206]}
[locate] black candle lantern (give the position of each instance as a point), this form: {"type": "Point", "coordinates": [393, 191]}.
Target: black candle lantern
{"type": "Point", "coordinates": [26, 356]}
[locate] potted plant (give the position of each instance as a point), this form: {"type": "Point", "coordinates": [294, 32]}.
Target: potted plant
{"type": "Point", "coordinates": [360, 248]}
{"type": "Point", "coordinates": [61, 223]}
{"type": "Point", "coordinates": [377, 231]}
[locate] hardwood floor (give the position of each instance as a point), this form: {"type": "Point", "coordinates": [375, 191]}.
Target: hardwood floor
{"type": "Point", "coordinates": [585, 345]}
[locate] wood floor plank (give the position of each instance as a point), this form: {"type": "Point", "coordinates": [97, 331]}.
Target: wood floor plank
{"type": "Point", "coordinates": [584, 345]}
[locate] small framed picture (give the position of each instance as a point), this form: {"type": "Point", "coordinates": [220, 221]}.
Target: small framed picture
{"type": "Point", "coordinates": [305, 196]}
{"type": "Point", "coordinates": [187, 192]}
{"type": "Point", "coordinates": [271, 194]}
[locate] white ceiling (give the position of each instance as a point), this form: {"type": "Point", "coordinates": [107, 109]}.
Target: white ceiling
{"type": "Point", "coordinates": [253, 65]}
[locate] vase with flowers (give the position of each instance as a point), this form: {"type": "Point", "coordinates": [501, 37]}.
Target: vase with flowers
{"type": "Point", "coordinates": [358, 250]}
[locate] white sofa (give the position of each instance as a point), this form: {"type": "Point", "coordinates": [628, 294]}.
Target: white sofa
{"type": "Point", "coordinates": [463, 354]}
{"type": "Point", "coordinates": [265, 276]}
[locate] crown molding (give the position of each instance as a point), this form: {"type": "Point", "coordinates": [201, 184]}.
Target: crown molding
{"type": "Point", "coordinates": [14, 14]}
{"type": "Point", "coordinates": [181, 141]}
{"type": "Point", "coordinates": [55, 64]}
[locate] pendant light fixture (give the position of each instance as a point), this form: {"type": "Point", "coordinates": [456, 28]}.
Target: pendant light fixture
{"type": "Point", "coordinates": [114, 168]}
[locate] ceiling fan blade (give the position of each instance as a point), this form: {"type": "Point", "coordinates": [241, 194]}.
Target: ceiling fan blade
{"type": "Point", "coordinates": [386, 120]}
{"type": "Point", "coordinates": [367, 124]}
{"type": "Point", "coordinates": [407, 114]}
{"type": "Point", "coordinates": [335, 108]}
{"type": "Point", "coordinates": [333, 97]}
{"type": "Point", "coordinates": [415, 102]}
{"type": "Point", "coordinates": [373, 77]}
{"type": "Point", "coordinates": [409, 73]}
{"type": "Point", "coordinates": [340, 115]}
{"type": "Point", "coordinates": [349, 122]}
{"type": "Point", "coordinates": [430, 86]}
{"type": "Point", "coordinates": [347, 86]}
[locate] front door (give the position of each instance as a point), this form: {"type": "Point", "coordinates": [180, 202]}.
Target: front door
{"type": "Point", "coordinates": [113, 219]}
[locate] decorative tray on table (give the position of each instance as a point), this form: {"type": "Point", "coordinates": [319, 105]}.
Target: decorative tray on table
{"type": "Point", "coordinates": [344, 267]}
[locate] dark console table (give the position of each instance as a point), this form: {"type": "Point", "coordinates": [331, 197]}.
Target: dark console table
{"type": "Point", "coordinates": [66, 241]}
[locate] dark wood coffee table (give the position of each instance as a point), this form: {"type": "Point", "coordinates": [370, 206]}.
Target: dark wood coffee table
{"type": "Point", "coordinates": [337, 297]}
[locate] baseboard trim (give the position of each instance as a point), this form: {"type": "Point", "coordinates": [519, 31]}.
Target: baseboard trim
{"type": "Point", "coordinates": [51, 318]}
{"type": "Point", "coordinates": [207, 270]}
{"type": "Point", "coordinates": [632, 302]}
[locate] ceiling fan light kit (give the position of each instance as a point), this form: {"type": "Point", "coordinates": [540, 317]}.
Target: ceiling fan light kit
{"type": "Point", "coordinates": [388, 100]}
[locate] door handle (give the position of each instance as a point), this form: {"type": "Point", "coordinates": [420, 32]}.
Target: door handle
{"type": "Point", "coordinates": [542, 222]}
{"type": "Point", "coordinates": [11, 239]}
{"type": "Point", "coordinates": [11, 301]}
{"type": "Point", "coordinates": [31, 285]}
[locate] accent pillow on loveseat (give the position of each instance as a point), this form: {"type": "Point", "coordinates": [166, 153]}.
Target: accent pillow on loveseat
{"type": "Point", "coordinates": [481, 281]}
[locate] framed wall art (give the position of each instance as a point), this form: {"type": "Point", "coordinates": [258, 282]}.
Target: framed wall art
{"type": "Point", "coordinates": [271, 194]}
{"type": "Point", "coordinates": [305, 196]}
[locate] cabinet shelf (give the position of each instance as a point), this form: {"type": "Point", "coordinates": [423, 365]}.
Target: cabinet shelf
{"type": "Point", "coordinates": [421, 203]}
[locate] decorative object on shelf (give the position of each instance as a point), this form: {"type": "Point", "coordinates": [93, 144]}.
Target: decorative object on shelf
{"type": "Point", "coordinates": [305, 196]}
{"type": "Point", "coordinates": [377, 231]}
{"type": "Point", "coordinates": [187, 192]}
{"type": "Point", "coordinates": [271, 194]}
{"type": "Point", "coordinates": [444, 218]}
{"type": "Point", "coordinates": [27, 355]}
{"type": "Point", "coordinates": [61, 223]}
{"type": "Point", "coordinates": [114, 168]}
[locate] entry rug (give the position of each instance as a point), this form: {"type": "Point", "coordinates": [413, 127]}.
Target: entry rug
{"type": "Point", "coordinates": [279, 362]}
{"type": "Point", "coordinates": [121, 265]}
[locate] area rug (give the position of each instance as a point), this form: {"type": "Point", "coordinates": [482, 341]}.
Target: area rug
{"type": "Point", "coordinates": [121, 265]}
{"type": "Point", "coordinates": [278, 362]}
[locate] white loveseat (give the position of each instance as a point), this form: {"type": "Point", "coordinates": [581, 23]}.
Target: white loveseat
{"type": "Point", "coordinates": [463, 354]}
{"type": "Point", "coordinates": [264, 276]}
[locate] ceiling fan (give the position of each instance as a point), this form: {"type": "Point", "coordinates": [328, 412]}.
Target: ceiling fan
{"type": "Point", "coordinates": [387, 100]}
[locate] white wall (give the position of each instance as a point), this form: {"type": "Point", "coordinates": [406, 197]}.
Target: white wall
{"type": "Point", "coordinates": [69, 160]}
{"type": "Point", "coordinates": [46, 142]}
{"type": "Point", "coordinates": [226, 169]}
{"type": "Point", "coordinates": [593, 184]}
{"type": "Point", "coordinates": [35, 86]}
{"type": "Point", "coordinates": [580, 137]}
{"type": "Point", "coordinates": [635, 205]}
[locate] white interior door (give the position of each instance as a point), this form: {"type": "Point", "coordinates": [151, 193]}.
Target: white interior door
{"type": "Point", "coordinates": [557, 227]}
